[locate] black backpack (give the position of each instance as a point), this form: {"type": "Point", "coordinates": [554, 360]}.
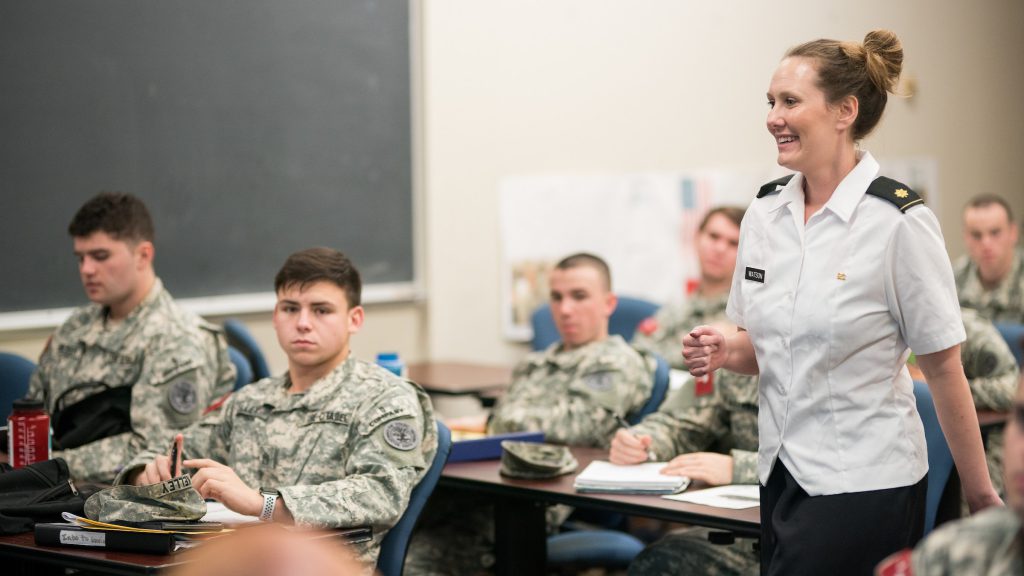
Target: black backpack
{"type": "Point", "coordinates": [38, 493]}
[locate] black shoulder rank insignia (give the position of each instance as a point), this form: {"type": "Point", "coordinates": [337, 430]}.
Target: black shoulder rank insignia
{"type": "Point", "coordinates": [896, 192]}
{"type": "Point", "coordinates": [773, 186]}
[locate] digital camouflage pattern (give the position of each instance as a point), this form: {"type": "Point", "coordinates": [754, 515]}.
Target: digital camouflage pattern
{"type": "Point", "coordinates": [1005, 303]}
{"type": "Point", "coordinates": [535, 460]}
{"type": "Point", "coordinates": [175, 363]}
{"type": "Point", "coordinates": [345, 453]}
{"type": "Point", "coordinates": [574, 395]}
{"type": "Point", "coordinates": [724, 422]}
{"type": "Point", "coordinates": [992, 373]}
{"type": "Point", "coordinates": [173, 500]}
{"type": "Point", "coordinates": [989, 543]}
{"type": "Point", "coordinates": [688, 551]}
{"type": "Point", "coordinates": [663, 334]}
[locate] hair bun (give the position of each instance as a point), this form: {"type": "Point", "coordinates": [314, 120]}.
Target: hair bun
{"type": "Point", "coordinates": [883, 58]}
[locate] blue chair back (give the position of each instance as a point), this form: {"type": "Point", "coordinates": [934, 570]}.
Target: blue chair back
{"type": "Point", "coordinates": [658, 392]}
{"type": "Point", "coordinates": [624, 320]}
{"type": "Point", "coordinates": [396, 542]}
{"type": "Point", "coordinates": [940, 460]}
{"type": "Point", "coordinates": [243, 370]}
{"type": "Point", "coordinates": [15, 372]}
{"type": "Point", "coordinates": [1014, 336]}
{"type": "Point", "coordinates": [240, 337]}
{"type": "Point", "coordinates": [592, 548]}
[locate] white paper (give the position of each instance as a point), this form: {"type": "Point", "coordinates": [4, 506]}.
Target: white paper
{"type": "Point", "coordinates": [733, 496]}
{"type": "Point", "coordinates": [217, 512]}
{"type": "Point", "coordinates": [601, 474]}
{"type": "Point", "coordinates": [83, 538]}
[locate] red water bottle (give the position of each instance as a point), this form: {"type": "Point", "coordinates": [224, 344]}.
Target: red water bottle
{"type": "Point", "coordinates": [28, 433]}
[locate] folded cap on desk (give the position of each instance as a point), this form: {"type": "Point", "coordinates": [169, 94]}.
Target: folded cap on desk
{"type": "Point", "coordinates": [174, 499]}
{"type": "Point", "coordinates": [535, 460]}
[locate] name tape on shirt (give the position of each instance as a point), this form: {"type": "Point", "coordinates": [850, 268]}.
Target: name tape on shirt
{"type": "Point", "coordinates": [755, 274]}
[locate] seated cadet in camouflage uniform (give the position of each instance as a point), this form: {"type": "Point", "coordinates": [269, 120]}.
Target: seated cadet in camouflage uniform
{"type": "Point", "coordinates": [334, 442]}
{"type": "Point", "coordinates": [572, 392]}
{"type": "Point", "coordinates": [992, 374]}
{"type": "Point", "coordinates": [132, 367]}
{"type": "Point", "coordinates": [716, 243]}
{"type": "Point", "coordinates": [989, 543]}
{"type": "Point", "coordinates": [990, 277]}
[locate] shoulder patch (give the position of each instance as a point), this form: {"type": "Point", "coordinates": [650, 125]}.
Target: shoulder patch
{"type": "Point", "coordinates": [401, 435]}
{"type": "Point", "coordinates": [895, 192]}
{"type": "Point", "coordinates": [182, 396]}
{"type": "Point", "coordinates": [774, 186]}
{"type": "Point", "coordinates": [600, 381]}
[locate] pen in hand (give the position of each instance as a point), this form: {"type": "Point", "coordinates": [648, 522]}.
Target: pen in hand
{"type": "Point", "coordinates": [176, 455]}
{"type": "Point", "coordinates": [625, 426]}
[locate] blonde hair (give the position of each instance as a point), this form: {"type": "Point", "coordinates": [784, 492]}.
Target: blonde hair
{"type": "Point", "coordinates": [868, 71]}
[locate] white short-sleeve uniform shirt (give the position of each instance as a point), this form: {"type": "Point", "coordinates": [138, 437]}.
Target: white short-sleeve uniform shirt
{"type": "Point", "coordinates": [833, 308]}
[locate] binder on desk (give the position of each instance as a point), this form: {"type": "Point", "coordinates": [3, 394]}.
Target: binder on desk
{"type": "Point", "coordinates": [489, 447]}
{"type": "Point", "coordinates": [68, 534]}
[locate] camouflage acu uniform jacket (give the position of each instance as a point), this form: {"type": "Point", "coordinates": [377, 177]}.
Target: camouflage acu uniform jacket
{"type": "Point", "coordinates": [1003, 304]}
{"type": "Point", "coordinates": [664, 332]}
{"type": "Point", "coordinates": [992, 373]}
{"type": "Point", "coordinates": [574, 395]}
{"type": "Point", "coordinates": [723, 422]}
{"type": "Point", "coordinates": [988, 543]}
{"type": "Point", "coordinates": [174, 362]}
{"type": "Point", "coordinates": [345, 453]}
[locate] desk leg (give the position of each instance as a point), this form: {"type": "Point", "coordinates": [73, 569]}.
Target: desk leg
{"type": "Point", "coordinates": [520, 537]}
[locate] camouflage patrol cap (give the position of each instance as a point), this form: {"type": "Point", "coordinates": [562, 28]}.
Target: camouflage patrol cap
{"type": "Point", "coordinates": [174, 499]}
{"type": "Point", "coordinates": [535, 460]}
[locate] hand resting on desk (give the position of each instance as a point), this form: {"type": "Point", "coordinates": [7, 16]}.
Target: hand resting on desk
{"type": "Point", "coordinates": [709, 467]}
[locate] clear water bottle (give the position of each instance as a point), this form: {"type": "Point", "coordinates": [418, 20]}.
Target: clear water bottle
{"type": "Point", "coordinates": [391, 362]}
{"type": "Point", "coordinates": [28, 433]}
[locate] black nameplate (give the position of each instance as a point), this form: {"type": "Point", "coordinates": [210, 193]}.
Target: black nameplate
{"type": "Point", "coordinates": [755, 274]}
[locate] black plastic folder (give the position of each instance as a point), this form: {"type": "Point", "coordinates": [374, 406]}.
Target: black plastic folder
{"type": "Point", "coordinates": [66, 534]}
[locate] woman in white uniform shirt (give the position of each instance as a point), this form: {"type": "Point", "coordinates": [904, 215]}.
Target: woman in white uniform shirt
{"type": "Point", "coordinates": [838, 277]}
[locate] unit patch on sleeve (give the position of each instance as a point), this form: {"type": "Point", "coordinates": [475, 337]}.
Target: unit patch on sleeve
{"type": "Point", "coordinates": [182, 396]}
{"type": "Point", "coordinates": [401, 435]}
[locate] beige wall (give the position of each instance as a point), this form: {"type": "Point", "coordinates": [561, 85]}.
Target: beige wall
{"type": "Point", "coordinates": [534, 86]}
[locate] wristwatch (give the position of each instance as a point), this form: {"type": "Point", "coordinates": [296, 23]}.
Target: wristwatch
{"type": "Point", "coordinates": [270, 497]}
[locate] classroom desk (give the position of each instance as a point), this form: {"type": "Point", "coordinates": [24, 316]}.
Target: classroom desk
{"type": "Point", "coordinates": [21, 556]}
{"type": "Point", "coordinates": [520, 540]}
{"type": "Point", "coordinates": [21, 551]}
{"type": "Point", "coordinates": [458, 378]}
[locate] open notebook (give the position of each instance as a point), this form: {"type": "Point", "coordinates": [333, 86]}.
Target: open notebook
{"type": "Point", "coordinates": [646, 478]}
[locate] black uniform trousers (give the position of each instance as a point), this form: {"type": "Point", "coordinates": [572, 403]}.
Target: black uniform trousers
{"type": "Point", "coordinates": [839, 534]}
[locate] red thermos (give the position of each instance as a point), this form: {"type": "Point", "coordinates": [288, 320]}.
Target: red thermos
{"type": "Point", "coordinates": [28, 433]}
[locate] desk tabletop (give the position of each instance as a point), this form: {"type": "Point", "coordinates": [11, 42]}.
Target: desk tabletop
{"type": "Point", "coordinates": [483, 476]}
{"type": "Point", "coordinates": [460, 377]}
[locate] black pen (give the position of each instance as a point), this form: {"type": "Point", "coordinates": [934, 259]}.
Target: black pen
{"type": "Point", "coordinates": [625, 425]}
{"type": "Point", "coordinates": [175, 470]}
